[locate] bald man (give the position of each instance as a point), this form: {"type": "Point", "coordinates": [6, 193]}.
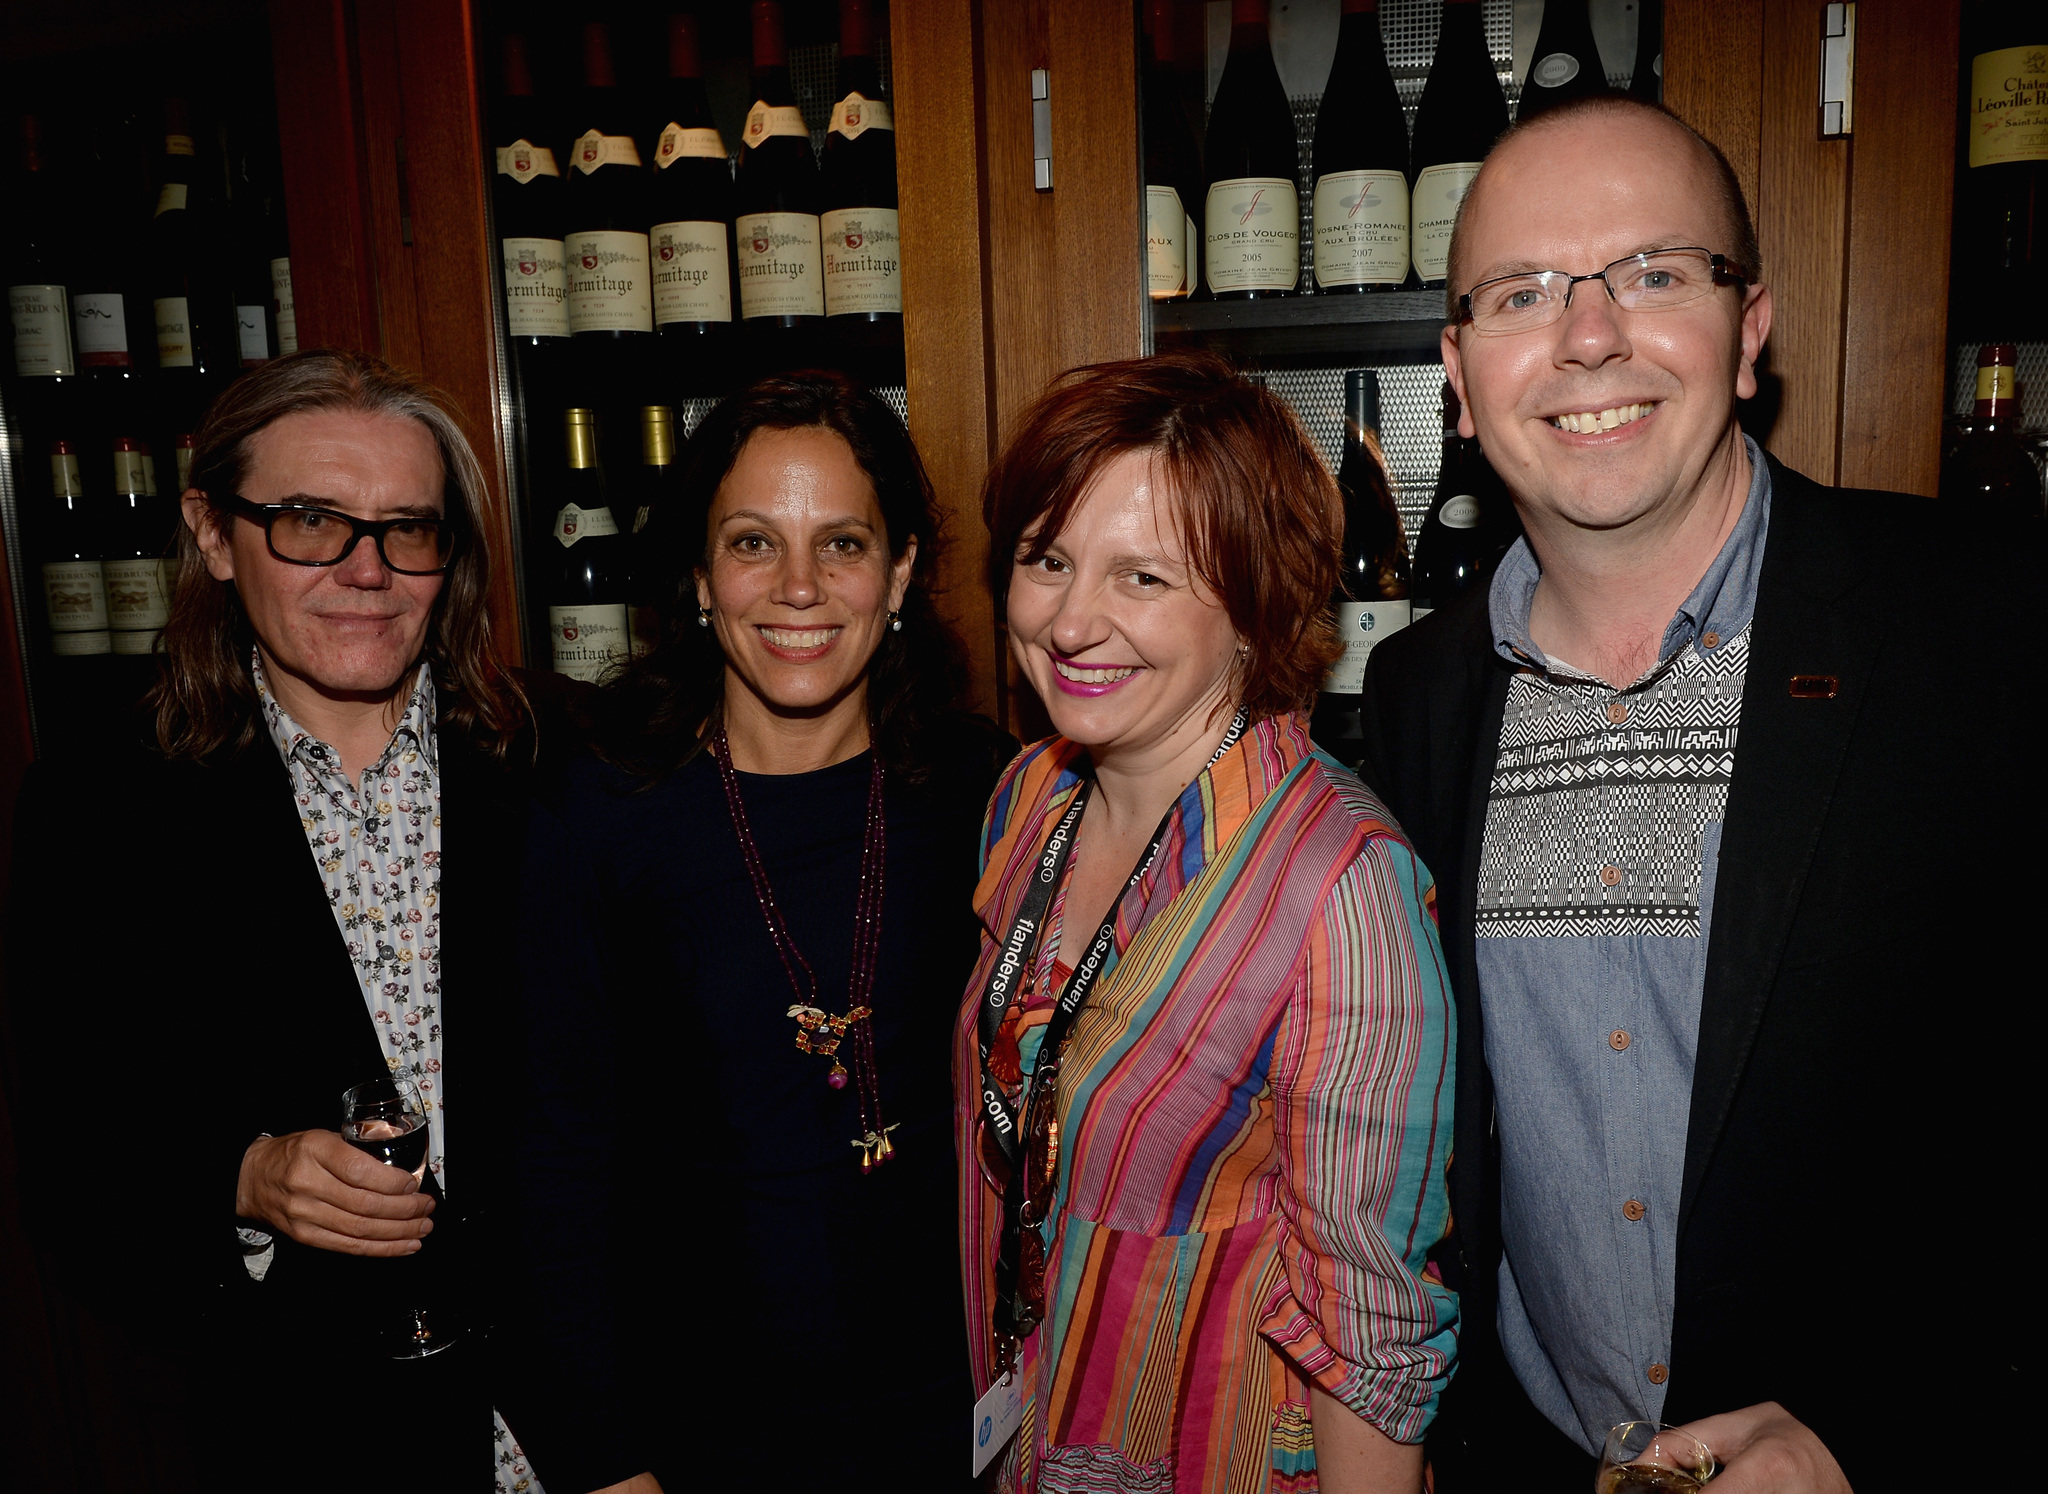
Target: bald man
{"type": "Point", "coordinates": [1721, 782]}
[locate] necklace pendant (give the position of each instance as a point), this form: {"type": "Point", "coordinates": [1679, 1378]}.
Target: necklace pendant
{"type": "Point", "coordinates": [837, 1078]}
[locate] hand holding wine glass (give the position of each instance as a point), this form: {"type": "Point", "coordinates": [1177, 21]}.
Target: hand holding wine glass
{"type": "Point", "coordinates": [316, 1189]}
{"type": "Point", "coordinates": [1765, 1449]}
{"type": "Point", "coordinates": [386, 1119]}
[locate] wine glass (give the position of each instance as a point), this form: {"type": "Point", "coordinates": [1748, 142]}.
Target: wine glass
{"type": "Point", "coordinates": [387, 1119]}
{"type": "Point", "coordinates": [1648, 1455]}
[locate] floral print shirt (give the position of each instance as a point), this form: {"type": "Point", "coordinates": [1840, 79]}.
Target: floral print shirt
{"type": "Point", "coordinates": [377, 843]}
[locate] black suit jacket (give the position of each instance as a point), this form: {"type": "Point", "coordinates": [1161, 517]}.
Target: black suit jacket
{"type": "Point", "coordinates": [176, 985]}
{"type": "Point", "coordinates": [1850, 1149]}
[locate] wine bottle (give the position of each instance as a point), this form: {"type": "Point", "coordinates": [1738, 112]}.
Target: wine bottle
{"type": "Point", "coordinates": [1372, 600]}
{"type": "Point", "coordinates": [691, 238]}
{"type": "Point", "coordinates": [194, 311]}
{"type": "Point", "coordinates": [186, 445]}
{"type": "Point", "coordinates": [1252, 209]}
{"type": "Point", "coordinates": [1470, 524]}
{"type": "Point", "coordinates": [610, 299]}
{"type": "Point", "coordinates": [252, 188]}
{"type": "Point", "coordinates": [2002, 194]}
{"type": "Point", "coordinates": [1360, 201]}
{"type": "Point", "coordinates": [646, 587]}
{"type": "Point", "coordinates": [109, 304]}
{"type": "Point", "coordinates": [863, 261]}
{"type": "Point", "coordinates": [1984, 456]}
{"type": "Point", "coordinates": [775, 224]}
{"type": "Point", "coordinates": [38, 300]}
{"type": "Point", "coordinates": [1462, 113]}
{"type": "Point", "coordinates": [587, 596]}
{"type": "Point", "coordinates": [1173, 173]}
{"type": "Point", "coordinates": [1566, 64]}
{"type": "Point", "coordinates": [138, 533]}
{"type": "Point", "coordinates": [74, 586]}
{"type": "Point", "coordinates": [1646, 79]}
{"type": "Point", "coordinates": [527, 195]}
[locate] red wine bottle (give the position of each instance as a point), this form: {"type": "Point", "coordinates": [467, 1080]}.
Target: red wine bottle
{"type": "Point", "coordinates": [775, 223]}
{"type": "Point", "coordinates": [647, 589]}
{"type": "Point", "coordinates": [253, 189]}
{"type": "Point", "coordinates": [196, 350]}
{"type": "Point", "coordinates": [1372, 601]}
{"type": "Point", "coordinates": [527, 195]}
{"type": "Point", "coordinates": [1470, 524]}
{"type": "Point", "coordinates": [610, 299]}
{"type": "Point", "coordinates": [138, 532]}
{"type": "Point", "coordinates": [1984, 458]}
{"type": "Point", "coordinates": [38, 298]}
{"type": "Point", "coordinates": [1173, 172]}
{"type": "Point", "coordinates": [1360, 207]}
{"type": "Point", "coordinates": [1462, 113]}
{"type": "Point", "coordinates": [1252, 209]}
{"type": "Point", "coordinates": [863, 261]}
{"type": "Point", "coordinates": [2001, 239]}
{"type": "Point", "coordinates": [1566, 64]}
{"type": "Point", "coordinates": [586, 596]}
{"type": "Point", "coordinates": [691, 236]}
{"type": "Point", "coordinates": [74, 587]}
{"type": "Point", "coordinates": [110, 311]}
{"type": "Point", "coordinates": [1646, 80]}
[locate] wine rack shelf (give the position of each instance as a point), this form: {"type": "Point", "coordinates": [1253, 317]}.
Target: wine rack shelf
{"type": "Point", "coordinates": [1319, 331]}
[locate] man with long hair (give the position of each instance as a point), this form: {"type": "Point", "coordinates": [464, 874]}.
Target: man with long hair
{"type": "Point", "coordinates": [326, 686]}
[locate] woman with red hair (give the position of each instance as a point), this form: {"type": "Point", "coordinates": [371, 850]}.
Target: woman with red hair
{"type": "Point", "coordinates": [1203, 1068]}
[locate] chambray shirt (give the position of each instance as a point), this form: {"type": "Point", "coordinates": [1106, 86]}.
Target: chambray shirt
{"type": "Point", "coordinates": [1596, 896]}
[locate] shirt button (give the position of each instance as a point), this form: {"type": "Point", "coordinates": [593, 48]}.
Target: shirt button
{"type": "Point", "coordinates": [1610, 876]}
{"type": "Point", "coordinates": [1633, 1210]}
{"type": "Point", "coordinates": [1711, 640]}
{"type": "Point", "coordinates": [1617, 711]}
{"type": "Point", "coordinates": [1657, 1374]}
{"type": "Point", "coordinates": [1617, 1040]}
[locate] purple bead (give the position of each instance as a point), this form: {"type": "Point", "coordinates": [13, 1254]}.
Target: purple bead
{"type": "Point", "coordinates": [837, 1078]}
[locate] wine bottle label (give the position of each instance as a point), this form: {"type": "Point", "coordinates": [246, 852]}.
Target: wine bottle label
{"type": "Point", "coordinates": [781, 265]}
{"type": "Point", "coordinates": [1554, 71]}
{"type": "Point", "coordinates": [42, 331]}
{"type": "Point", "coordinates": [1166, 244]}
{"type": "Point", "coordinates": [1360, 625]}
{"type": "Point", "coordinates": [573, 523]}
{"type": "Point", "coordinates": [173, 332]}
{"type": "Point", "coordinates": [177, 145]}
{"type": "Point", "coordinates": [536, 288]}
{"type": "Point", "coordinates": [128, 475]}
{"type": "Point", "coordinates": [64, 479]}
{"type": "Point", "coordinates": [184, 467]}
{"type": "Point", "coordinates": [692, 279]}
{"type": "Point", "coordinates": [287, 308]}
{"type": "Point", "coordinates": [608, 282]}
{"type": "Point", "coordinates": [1438, 192]}
{"type": "Point", "coordinates": [764, 120]}
{"type": "Point", "coordinates": [1361, 228]}
{"type": "Point", "coordinates": [250, 334]}
{"type": "Point", "coordinates": [148, 475]}
{"type": "Point", "coordinates": [587, 641]}
{"type": "Point", "coordinates": [2009, 105]}
{"type": "Point", "coordinates": [522, 160]}
{"type": "Point", "coordinates": [2000, 381]}
{"type": "Point", "coordinates": [138, 603]}
{"type": "Point", "coordinates": [677, 143]}
{"type": "Point", "coordinates": [863, 262]}
{"type": "Point", "coordinates": [854, 115]}
{"type": "Point", "coordinates": [75, 596]}
{"type": "Point", "coordinates": [593, 151]}
{"type": "Point", "coordinates": [1417, 613]}
{"type": "Point", "coordinates": [1253, 234]}
{"type": "Point", "coordinates": [99, 324]}
{"type": "Point", "coordinates": [171, 198]}
{"type": "Point", "coordinates": [1461, 511]}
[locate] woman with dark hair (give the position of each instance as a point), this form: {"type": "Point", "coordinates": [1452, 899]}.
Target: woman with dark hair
{"type": "Point", "coordinates": [1203, 1064]}
{"type": "Point", "coordinates": [747, 920]}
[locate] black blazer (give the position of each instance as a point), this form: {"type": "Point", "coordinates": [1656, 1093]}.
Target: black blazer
{"type": "Point", "coordinates": [1850, 1151]}
{"type": "Point", "coordinates": [176, 985]}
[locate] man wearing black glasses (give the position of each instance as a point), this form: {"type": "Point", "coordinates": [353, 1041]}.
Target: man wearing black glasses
{"type": "Point", "coordinates": [326, 694]}
{"type": "Point", "coordinates": [1699, 775]}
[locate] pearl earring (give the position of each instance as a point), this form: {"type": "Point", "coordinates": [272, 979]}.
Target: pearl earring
{"type": "Point", "coordinates": [703, 617]}
{"type": "Point", "coordinates": [895, 622]}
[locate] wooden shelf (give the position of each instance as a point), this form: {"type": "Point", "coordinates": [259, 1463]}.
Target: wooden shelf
{"type": "Point", "coordinates": [1308, 331]}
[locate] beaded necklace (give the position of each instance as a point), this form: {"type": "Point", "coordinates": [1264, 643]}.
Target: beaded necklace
{"type": "Point", "coordinates": [816, 1030]}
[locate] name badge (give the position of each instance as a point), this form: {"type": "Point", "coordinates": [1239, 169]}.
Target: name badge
{"type": "Point", "coordinates": [995, 1419]}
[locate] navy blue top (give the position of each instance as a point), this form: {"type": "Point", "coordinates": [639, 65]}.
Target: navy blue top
{"type": "Point", "coordinates": [708, 1269]}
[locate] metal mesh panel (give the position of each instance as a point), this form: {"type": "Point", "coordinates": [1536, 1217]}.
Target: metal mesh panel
{"type": "Point", "coordinates": [690, 413]}
{"type": "Point", "coordinates": [814, 77]}
{"type": "Point", "coordinates": [1411, 424]}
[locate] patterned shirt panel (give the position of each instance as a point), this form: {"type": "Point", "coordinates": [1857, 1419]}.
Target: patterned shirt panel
{"type": "Point", "coordinates": [1595, 897]}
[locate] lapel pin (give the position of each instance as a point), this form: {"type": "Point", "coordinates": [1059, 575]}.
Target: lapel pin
{"type": "Point", "coordinates": [1815, 687]}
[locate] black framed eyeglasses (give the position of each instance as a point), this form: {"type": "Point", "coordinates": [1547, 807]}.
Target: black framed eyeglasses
{"type": "Point", "coordinates": [304, 534]}
{"type": "Point", "coordinates": [1661, 280]}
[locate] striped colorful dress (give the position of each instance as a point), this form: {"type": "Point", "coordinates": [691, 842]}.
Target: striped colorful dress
{"type": "Point", "coordinates": [1255, 1108]}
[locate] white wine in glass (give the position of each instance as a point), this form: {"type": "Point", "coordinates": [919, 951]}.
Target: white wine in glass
{"type": "Point", "coordinates": [1647, 1456]}
{"type": "Point", "coordinates": [387, 1118]}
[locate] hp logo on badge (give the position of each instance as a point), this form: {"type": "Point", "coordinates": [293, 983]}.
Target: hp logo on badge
{"type": "Point", "coordinates": [988, 1425]}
